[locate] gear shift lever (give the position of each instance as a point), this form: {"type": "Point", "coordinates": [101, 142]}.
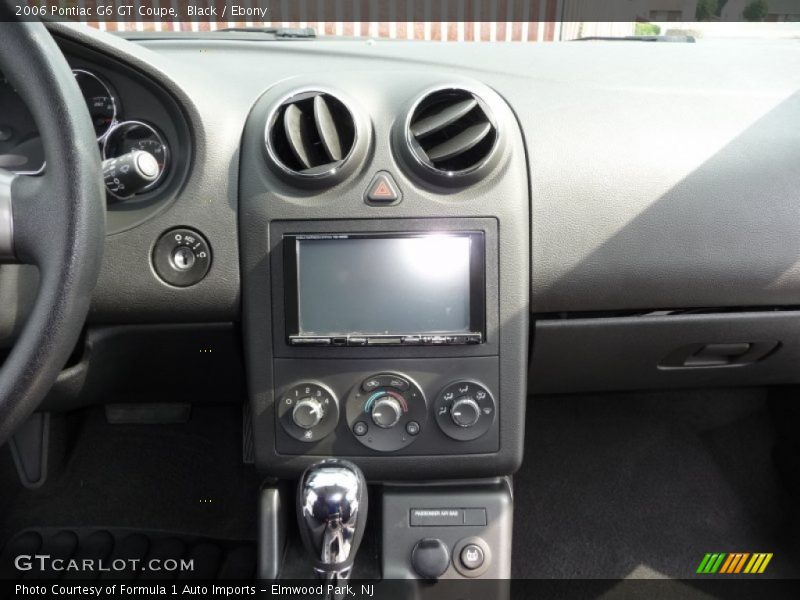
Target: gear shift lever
{"type": "Point", "coordinates": [332, 515]}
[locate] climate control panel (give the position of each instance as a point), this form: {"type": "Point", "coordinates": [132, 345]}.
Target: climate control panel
{"type": "Point", "coordinates": [392, 411]}
{"type": "Point", "coordinates": [387, 411]}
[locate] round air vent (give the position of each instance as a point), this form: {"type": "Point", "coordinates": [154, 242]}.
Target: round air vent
{"type": "Point", "coordinates": [451, 135]}
{"type": "Point", "coordinates": [312, 136]}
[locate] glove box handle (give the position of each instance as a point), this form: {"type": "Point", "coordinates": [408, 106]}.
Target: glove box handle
{"type": "Point", "coordinates": [718, 354]}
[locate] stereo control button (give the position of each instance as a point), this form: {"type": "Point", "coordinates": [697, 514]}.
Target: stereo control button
{"type": "Point", "coordinates": [384, 341]}
{"type": "Point", "coordinates": [307, 341]}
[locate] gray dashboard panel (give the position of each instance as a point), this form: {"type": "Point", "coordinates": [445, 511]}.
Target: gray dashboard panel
{"type": "Point", "coordinates": [662, 175]}
{"type": "Point", "coordinates": [665, 177]}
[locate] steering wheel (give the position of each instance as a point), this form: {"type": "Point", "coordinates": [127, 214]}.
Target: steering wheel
{"type": "Point", "coordinates": [55, 221]}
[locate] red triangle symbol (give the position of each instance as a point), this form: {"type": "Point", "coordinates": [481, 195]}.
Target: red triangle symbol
{"type": "Point", "coordinates": [382, 190]}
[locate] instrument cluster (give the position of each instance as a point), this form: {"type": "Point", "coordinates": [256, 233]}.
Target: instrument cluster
{"type": "Point", "coordinates": [22, 150]}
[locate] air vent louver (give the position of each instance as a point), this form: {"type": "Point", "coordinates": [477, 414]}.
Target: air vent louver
{"type": "Point", "coordinates": [311, 135]}
{"type": "Point", "coordinates": [451, 131]}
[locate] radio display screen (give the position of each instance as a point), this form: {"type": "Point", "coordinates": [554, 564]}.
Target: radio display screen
{"type": "Point", "coordinates": [387, 284]}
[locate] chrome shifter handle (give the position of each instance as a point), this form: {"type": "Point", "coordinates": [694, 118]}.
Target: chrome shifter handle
{"type": "Point", "coordinates": [332, 515]}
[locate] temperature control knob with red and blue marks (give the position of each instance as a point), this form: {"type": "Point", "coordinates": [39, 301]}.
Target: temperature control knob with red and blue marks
{"type": "Point", "coordinates": [386, 408]}
{"type": "Point", "coordinates": [386, 412]}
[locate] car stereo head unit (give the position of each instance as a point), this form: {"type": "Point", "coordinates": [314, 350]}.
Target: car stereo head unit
{"type": "Point", "coordinates": [365, 289]}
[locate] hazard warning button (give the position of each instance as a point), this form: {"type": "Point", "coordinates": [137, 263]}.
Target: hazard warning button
{"type": "Point", "coordinates": [382, 190]}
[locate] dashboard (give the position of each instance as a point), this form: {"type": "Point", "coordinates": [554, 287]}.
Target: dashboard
{"type": "Point", "coordinates": [381, 252]}
{"type": "Point", "coordinates": [591, 216]}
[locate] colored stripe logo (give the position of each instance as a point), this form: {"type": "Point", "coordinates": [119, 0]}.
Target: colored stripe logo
{"type": "Point", "coordinates": [734, 563]}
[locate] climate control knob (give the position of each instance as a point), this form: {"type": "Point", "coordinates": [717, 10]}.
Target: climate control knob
{"type": "Point", "coordinates": [307, 413]}
{"type": "Point", "coordinates": [386, 412]}
{"type": "Point", "coordinates": [465, 412]}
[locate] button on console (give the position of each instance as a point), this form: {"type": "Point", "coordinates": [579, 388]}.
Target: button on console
{"type": "Point", "coordinates": [472, 557]}
{"type": "Point", "coordinates": [384, 341]}
{"type": "Point", "coordinates": [379, 381]}
{"type": "Point", "coordinates": [304, 341]}
{"type": "Point", "coordinates": [371, 384]}
{"type": "Point", "coordinates": [382, 190]}
{"type": "Point", "coordinates": [397, 383]}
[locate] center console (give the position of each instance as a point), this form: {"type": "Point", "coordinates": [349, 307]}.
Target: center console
{"type": "Point", "coordinates": [385, 269]}
{"type": "Point", "coordinates": [384, 342]}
